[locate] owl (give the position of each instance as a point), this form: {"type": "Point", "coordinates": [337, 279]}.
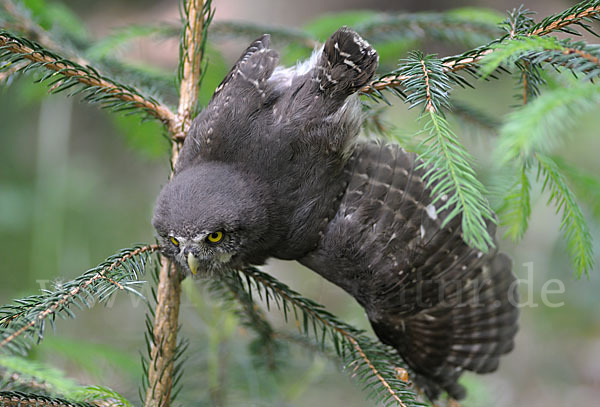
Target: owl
{"type": "Point", "coordinates": [274, 167]}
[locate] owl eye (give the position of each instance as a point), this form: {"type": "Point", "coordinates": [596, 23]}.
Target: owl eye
{"type": "Point", "coordinates": [174, 241]}
{"type": "Point", "coordinates": [215, 237]}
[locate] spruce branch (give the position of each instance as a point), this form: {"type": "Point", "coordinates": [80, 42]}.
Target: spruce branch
{"type": "Point", "coordinates": [586, 185]}
{"type": "Point", "coordinates": [541, 125]}
{"type": "Point", "coordinates": [521, 26]}
{"type": "Point", "coordinates": [573, 224]}
{"type": "Point", "coordinates": [530, 53]}
{"type": "Point", "coordinates": [532, 79]}
{"type": "Point", "coordinates": [512, 50]}
{"type": "Point", "coordinates": [12, 378]}
{"type": "Point", "coordinates": [24, 321]}
{"type": "Point", "coordinates": [18, 374]}
{"type": "Point", "coordinates": [393, 81]}
{"type": "Point", "coordinates": [16, 382]}
{"type": "Point", "coordinates": [251, 315]}
{"type": "Point", "coordinates": [448, 162]}
{"type": "Point", "coordinates": [64, 74]}
{"type": "Point", "coordinates": [519, 20]}
{"type": "Point", "coordinates": [164, 348]}
{"type": "Point", "coordinates": [163, 364]}
{"type": "Point", "coordinates": [515, 210]}
{"type": "Point", "coordinates": [450, 166]}
{"type": "Point", "coordinates": [577, 57]}
{"type": "Point", "coordinates": [100, 52]}
{"type": "Point", "coordinates": [368, 360]}
{"type": "Point", "coordinates": [24, 24]}
{"type": "Point", "coordinates": [586, 11]}
{"type": "Point", "coordinates": [100, 396]}
{"type": "Point", "coordinates": [583, 54]}
{"type": "Point", "coordinates": [198, 15]}
{"type": "Point", "coordinates": [18, 399]}
{"type": "Point", "coordinates": [391, 392]}
{"type": "Point", "coordinates": [162, 342]}
{"type": "Point", "coordinates": [423, 81]}
{"type": "Point", "coordinates": [465, 61]}
{"type": "Point", "coordinates": [21, 374]}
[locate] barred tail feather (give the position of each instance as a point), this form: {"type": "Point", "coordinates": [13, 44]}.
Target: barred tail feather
{"type": "Point", "coordinates": [469, 329]}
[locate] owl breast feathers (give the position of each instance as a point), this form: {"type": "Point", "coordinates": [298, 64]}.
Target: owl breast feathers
{"type": "Point", "coordinates": [273, 167]}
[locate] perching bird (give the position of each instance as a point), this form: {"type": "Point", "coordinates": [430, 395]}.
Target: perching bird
{"type": "Point", "coordinates": [273, 167]}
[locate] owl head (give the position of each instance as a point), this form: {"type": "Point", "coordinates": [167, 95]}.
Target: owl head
{"type": "Point", "coordinates": [212, 217]}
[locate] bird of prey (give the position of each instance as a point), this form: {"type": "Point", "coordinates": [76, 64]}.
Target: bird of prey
{"type": "Point", "coordinates": [273, 167]}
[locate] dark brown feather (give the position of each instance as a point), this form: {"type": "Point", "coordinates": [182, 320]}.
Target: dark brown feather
{"type": "Point", "coordinates": [445, 306]}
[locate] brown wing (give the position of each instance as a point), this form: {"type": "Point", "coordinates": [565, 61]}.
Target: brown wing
{"type": "Point", "coordinates": [445, 306]}
{"type": "Point", "coordinates": [236, 101]}
{"type": "Point", "coordinates": [252, 69]}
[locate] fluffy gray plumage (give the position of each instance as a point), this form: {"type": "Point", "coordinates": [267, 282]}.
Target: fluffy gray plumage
{"type": "Point", "coordinates": [273, 168]}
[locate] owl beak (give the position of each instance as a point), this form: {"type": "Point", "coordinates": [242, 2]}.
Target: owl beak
{"type": "Point", "coordinates": [193, 263]}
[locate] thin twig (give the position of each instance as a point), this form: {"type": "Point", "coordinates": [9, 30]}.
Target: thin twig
{"type": "Point", "coordinates": [51, 63]}
{"type": "Point", "coordinates": [567, 64]}
{"type": "Point", "coordinates": [113, 282]}
{"type": "Point", "coordinates": [166, 314]}
{"type": "Point", "coordinates": [190, 68]}
{"type": "Point", "coordinates": [164, 337]}
{"type": "Point", "coordinates": [67, 298]}
{"type": "Point", "coordinates": [429, 105]}
{"type": "Point", "coordinates": [17, 399]}
{"type": "Point", "coordinates": [16, 380]}
{"type": "Point", "coordinates": [585, 55]}
{"type": "Point", "coordinates": [375, 371]}
{"type": "Point", "coordinates": [395, 81]}
{"type": "Point", "coordinates": [457, 65]}
{"type": "Point", "coordinates": [31, 29]}
{"type": "Point", "coordinates": [563, 22]}
{"type": "Point", "coordinates": [391, 81]}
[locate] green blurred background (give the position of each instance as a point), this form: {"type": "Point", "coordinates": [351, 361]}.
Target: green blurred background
{"type": "Point", "coordinates": [77, 184]}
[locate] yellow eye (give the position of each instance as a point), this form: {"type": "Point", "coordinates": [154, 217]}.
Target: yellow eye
{"type": "Point", "coordinates": [215, 237]}
{"type": "Point", "coordinates": [174, 241]}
